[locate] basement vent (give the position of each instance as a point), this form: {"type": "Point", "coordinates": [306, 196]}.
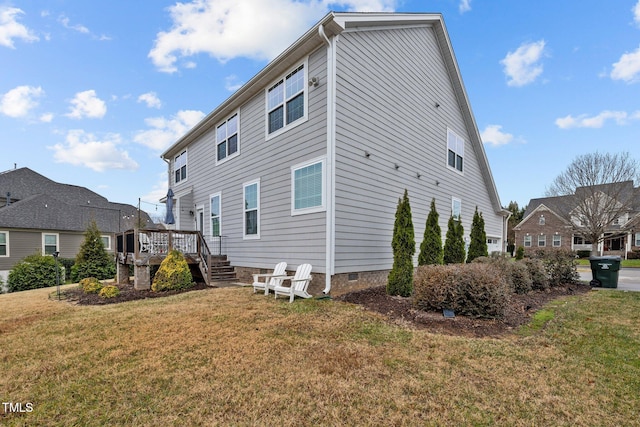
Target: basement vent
{"type": "Point", "coordinates": [353, 276]}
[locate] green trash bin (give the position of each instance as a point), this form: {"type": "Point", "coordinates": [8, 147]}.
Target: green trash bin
{"type": "Point", "coordinates": [605, 271]}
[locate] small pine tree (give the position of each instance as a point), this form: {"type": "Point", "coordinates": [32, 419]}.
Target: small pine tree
{"type": "Point", "coordinates": [431, 246]}
{"type": "Point", "coordinates": [400, 281]}
{"type": "Point", "coordinates": [454, 252]}
{"type": "Point", "coordinates": [478, 244]}
{"type": "Point", "coordinates": [92, 259]}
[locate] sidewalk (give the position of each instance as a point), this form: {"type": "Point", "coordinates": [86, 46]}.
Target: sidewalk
{"type": "Point", "coordinates": [628, 278]}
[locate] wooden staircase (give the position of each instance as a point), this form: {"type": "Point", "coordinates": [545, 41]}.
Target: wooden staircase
{"type": "Point", "coordinates": [221, 271]}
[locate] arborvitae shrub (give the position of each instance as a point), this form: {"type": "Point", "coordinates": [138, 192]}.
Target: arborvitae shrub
{"type": "Point", "coordinates": [478, 238]}
{"type": "Point", "coordinates": [431, 246]}
{"type": "Point", "coordinates": [173, 274]}
{"type": "Point", "coordinates": [400, 280]}
{"type": "Point", "coordinates": [453, 251]}
{"type": "Point", "coordinates": [520, 253]}
{"type": "Point", "coordinates": [473, 290]}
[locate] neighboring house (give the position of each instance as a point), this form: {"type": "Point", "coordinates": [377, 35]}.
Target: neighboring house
{"type": "Point", "coordinates": [41, 215]}
{"type": "Point", "coordinates": [545, 224]}
{"type": "Point", "coordinates": [306, 162]}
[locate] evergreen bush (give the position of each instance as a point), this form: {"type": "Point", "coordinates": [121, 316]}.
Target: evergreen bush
{"type": "Point", "coordinates": [473, 290]}
{"type": "Point", "coordinates": [90, 285]}
{"type": "Point", "coordinates": [92, 259]}
{"type": "Point", "coordinates": [400, 280]}
{"type": "Point", "coordinates": [519, 253]}
{"type": "Point", "coordinates": [478, 244]}
{"type": "Point", "coordinates": [173, 274]}
{"type": "Point", "coordinates": [537, 273]}
{"type": "Point", "coordinates": [431, 247]}
{"type": "Point", "coordinates": [33, 272]}
{"type": "Point", "coordinates": [109, 291]}
{"type": "Point", "coordinates": [454, 251]}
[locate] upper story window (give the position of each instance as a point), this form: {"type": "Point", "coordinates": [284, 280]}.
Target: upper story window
{"type": "Point", "coordinates": [286, 100]}
{"type": "Point", "coordinates": [456, 208]}
{"type": "Point", "coordinates": [180, 166]}
{"type": "Point", "coordinates": [227, 140]}
{"type": "Point", "coordinates": [541, 220]}
{"type": "Point", "coordinates": [307, 181]}
{"type": "Point", "coordinates": [455, 150]}
{"type": "Point", "coordinates": [4, 243]}
{"type": "Point", "coordinates": [49, 243]}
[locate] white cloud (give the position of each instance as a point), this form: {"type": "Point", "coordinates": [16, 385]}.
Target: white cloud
{"type": "Point", "coordinates": [595, 122]}
{"type": "Point", "coordinates": [11, 29]}
{"type": "Point", "coordinates": [46, 117]}
{"type": "Point", "coordinates": [85, 149]}
{"type": "Point", "coordinates": [19, 101]}
{"type": "Point", "coordinates": [231, 83]}
{"type": "Point", "coordinates": [464, 6]}
{"type": "Point", "coordinates": [523, 66]}
{"type": "Point", "coordinates": [87, 104]}
{"type": "Point", "coordinates": [151, 99]}
{"type": "Point", "coordinates": [165, 132]}
{"type": "Point", "coordinates": [494, 135]}
{"type": "Point", "coordinates": [77, 27]}
{"type": "Point", "coordinates": [636, 13]}
{"type": "Point", "coordinates": [628, 67]}
{"type": "Point", "coordinates": [226, 29]}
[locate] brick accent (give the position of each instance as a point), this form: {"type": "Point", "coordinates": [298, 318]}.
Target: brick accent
{"type": "Point", "coordinates": [553, 226]}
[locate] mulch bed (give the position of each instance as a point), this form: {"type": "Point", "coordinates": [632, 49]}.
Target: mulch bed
{"type": "Point", "coordinates": [401, 310]}
{"type": "Point", "coordinates": [127, 293]}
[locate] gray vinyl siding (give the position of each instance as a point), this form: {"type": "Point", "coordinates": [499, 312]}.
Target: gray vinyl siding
{"type": "Point", "coordinates": [283, 237]}
{"type": "Point", "coordinates": [23, 243]}
{"type": "Point", "coordinates": [381, 110]}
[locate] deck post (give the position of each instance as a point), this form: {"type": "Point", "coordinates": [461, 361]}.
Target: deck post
{"type": "Point", "coordinates": [141, 277]}
{"type": "Point", "coordinates": [122, 272]}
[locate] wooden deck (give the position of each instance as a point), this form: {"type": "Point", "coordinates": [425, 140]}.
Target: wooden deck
{"type": "Point", "coordinates": [145, 248]}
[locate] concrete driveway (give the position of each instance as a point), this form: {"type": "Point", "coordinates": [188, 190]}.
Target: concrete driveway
{"type": "Point", "coordinates": [628, 278]}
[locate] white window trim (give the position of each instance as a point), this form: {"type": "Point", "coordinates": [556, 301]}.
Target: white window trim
{"type": "Point", "coordinates": [186, 164]}
{"type": "Point", "coordinates": [229, 156]}
{"type": "Point", "coordinates": [529, 240]}
{"type": "Point", "coordinates": [449, 130]}
{"type": "Point", "coordinates": [542, 238]}
{"type": "Point", "coordinates": [556, 238]}
{"type": "Point", "coordinates": [57, 242]}
{"type": "Point", "coordinates": [246, 236]}
{"type": "Point", "coordinates": [323, 206]}
{"type": "Point", "coordinates": [6, 232]}
{"type": "Point", "coordinates": [286, 127]}
{"type": "Point", "coordinates": [108, 246]}
{"type": "Point", "coordinates": [453, 202]}
{"type": "Point", "coordinates": [219, 196]}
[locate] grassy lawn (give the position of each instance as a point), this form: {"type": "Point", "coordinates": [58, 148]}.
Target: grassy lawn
{"type": "Point", "coordinates": [229, 357]}
{"type": "Point", "coordinates": [633, 263]}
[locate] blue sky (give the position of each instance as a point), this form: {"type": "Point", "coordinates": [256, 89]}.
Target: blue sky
{"type": "Point", "coordinates": [92, 92]}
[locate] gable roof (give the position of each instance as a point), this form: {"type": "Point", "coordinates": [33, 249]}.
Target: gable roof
{"type": "Point", "coordinates": [542, 205]}
{"type": "Point", "coordinates": [36, 202]}
{"type": "Point", "coordinates": [331, 25]}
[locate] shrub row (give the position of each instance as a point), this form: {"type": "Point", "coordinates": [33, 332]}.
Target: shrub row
{"type": "Point", "coordinates": [35, 271]}
{"type": "Point", "coordinates": [91, 285]}
{"type": "Point", "coordinates": [473, 290]}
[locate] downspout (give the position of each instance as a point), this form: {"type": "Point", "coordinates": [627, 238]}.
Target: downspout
{"type": "Point", "coordinates": [330, 173]}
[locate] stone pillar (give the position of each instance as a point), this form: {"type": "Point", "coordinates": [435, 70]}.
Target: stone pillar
{"type": "Point", "coordinates": [141, 277]}
{"type": "Point", "coordinates": [122, 273]}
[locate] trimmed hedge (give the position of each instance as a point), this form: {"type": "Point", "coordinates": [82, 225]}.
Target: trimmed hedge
{"type": "Point", "coordinates": [33, 272]}
{"type": "Point", "coordinates": [473, 290]}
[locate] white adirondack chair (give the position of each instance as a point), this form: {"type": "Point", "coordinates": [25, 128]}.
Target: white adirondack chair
{"type": "Point", "coordinates": [299, 284]}
{"type": "Point", "coordinates": [270, 281]}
